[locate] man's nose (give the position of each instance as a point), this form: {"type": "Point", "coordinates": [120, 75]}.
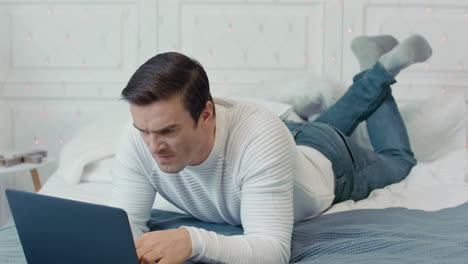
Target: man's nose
{"type": "Point", "coordinates": [155, 144]}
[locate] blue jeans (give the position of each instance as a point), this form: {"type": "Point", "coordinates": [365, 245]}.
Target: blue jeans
{"type": "Point", "coordinates": [359, 170]}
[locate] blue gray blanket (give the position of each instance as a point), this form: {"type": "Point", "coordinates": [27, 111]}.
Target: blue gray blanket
{"type": "Point", "coordinates": [393, 235]}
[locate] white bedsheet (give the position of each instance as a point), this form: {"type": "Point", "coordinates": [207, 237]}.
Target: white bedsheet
{"type": "Point", "coordinates": [430, 186]}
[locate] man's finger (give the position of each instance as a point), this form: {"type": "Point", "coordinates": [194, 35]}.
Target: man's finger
{"type": "Point", "coordinates": [163, 261]}
{"type": "Point", "coordinates": [142, 251]}
{"type": "Point", "coordinates": [150, 257]}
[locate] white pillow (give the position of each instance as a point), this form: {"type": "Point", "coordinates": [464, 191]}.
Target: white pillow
{"type": "Point", "coordinates": [436, 126]}
{"type": "Point", "coordinates": [95, 141]}
{"type": "Point", "coordinates": [99, 170]}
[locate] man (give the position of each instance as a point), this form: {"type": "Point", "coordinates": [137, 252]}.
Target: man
{"type": "Point", "coordinates": [235, 163]}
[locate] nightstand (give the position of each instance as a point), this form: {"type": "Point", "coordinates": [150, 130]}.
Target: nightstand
{"type": "Point", "coordinates": [32, 167]}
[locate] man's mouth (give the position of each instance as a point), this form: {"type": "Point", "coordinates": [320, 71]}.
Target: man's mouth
{"type": "Point", "coordinates": [164, 158]}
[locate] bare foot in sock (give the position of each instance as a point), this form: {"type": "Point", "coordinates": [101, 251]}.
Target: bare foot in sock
{"type": "Point", "coordinates": [412, 50]}
{"type": "Point", "coordinates": [369, 49]}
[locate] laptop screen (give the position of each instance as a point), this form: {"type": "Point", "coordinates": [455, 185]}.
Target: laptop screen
{"type": "Point", "coordinates": [57, 230]}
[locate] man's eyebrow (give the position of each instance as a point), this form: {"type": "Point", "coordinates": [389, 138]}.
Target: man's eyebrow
{"type": "Point", "coordinates": [157, 131]}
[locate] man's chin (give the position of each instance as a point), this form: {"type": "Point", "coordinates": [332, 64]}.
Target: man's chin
{"type": "Point", "coordinates": [169, 169]}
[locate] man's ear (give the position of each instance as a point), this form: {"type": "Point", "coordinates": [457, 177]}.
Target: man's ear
{"type": "Point", "coordinates": [208, 111]}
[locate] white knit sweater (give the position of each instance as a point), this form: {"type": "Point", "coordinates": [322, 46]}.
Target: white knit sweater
{"type": "Point", "coordinates": [254, 176]}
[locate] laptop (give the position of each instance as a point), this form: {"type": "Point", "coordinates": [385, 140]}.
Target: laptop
{"type": "Point", "coordinates": [55, 230]}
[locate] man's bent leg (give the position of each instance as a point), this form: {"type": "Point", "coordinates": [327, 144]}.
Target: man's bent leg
{"type": "Point", "coordinates": [370, 171]}
{"type": "Point", "coordinates": [388, 134]}
{"type": "Point", "coordinates": [393, 157]}
{"type": "Point", "coordinates": [369, 90]}
{"type": "Point", "coordinates": [357, 170]}
{"type": "Point", "coordinates": [391, 161]}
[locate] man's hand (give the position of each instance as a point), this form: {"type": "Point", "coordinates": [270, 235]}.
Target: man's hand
{"type": "Point", "coordinates": [165, 247]}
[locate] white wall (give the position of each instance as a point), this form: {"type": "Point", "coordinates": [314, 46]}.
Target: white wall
{"type": "Point", "coordinates": [64, 62]}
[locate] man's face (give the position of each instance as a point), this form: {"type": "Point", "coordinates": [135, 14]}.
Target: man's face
{"type": "Point", "coordinates": [170, 133]}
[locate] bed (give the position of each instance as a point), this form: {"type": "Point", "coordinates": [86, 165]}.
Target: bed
{"type": "Point", "coordinates": [421, 219]}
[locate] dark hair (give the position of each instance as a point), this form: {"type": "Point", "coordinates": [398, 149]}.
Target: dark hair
{"type": "Point", "coordinates": [166, 75]}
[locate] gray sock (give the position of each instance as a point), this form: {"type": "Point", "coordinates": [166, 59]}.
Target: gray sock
{"type": "Point", "coordinates": [412, 50]}
{"type": "Point", "coordinates": [368, 49]}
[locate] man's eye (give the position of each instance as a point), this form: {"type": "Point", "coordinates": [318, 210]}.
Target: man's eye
{"type": "Point", "coordinates": [168, 131]}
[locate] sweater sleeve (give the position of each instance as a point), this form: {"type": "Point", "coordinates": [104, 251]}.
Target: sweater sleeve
{"type": "Point", "coordinates": [266, 187]}
{"type": "Point", "coordinates": [131, 188]}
